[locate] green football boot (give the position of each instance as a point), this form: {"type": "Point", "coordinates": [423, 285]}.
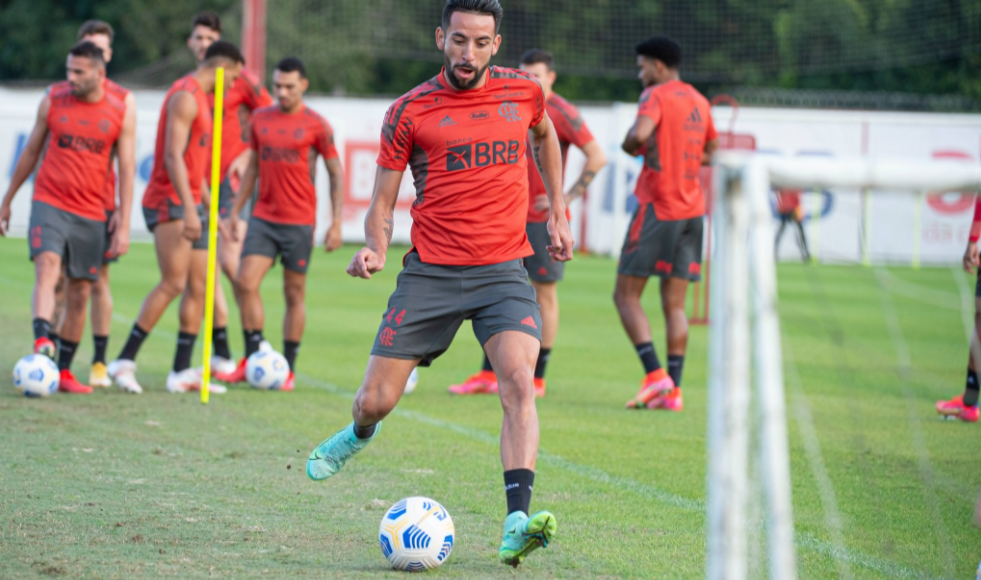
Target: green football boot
{"type": "Point", "coordinates": [524, 535]}
{"type": "Point", "coordinates": [331, 455]}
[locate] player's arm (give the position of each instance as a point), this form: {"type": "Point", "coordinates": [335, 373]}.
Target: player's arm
{"type": "Point", "coordinates": [249, 177]}
{"type": "Point", "coordinates": [547, 154]}
{"type": "Point", "coordinates": [595, 160]}
{"type": "Point", "coordinates": [335, 172]}
{"type": "Point", "coordinates": [711, 146]}
{"type": "Point", "coordinates": [379, 224]}
{"type": "Point", "coordinates": [126, 154]}
{"type": "Point", "coordinates": [25, 165]}
{"type": "Point", "coordinates": [638, 134]}
{"type": "Point", "coordinates": [971, 253]}
{"type": "Point", "coordinates": [181, 111]}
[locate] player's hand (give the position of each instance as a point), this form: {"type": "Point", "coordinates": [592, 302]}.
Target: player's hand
{"type": "Point", "coordinates": [333, 240]}
{"type": "Point", "coordinates": [971, 257]}
{"type": "Point", "coordinates": [561, 235]}
{"type": "Point", "coordinates": [229, 227]}
{"type": "Point", "coordinates": [237, 169]}
{"type": "Point", "coordinates": [365, 263]}
{"type": "Point", "coordinates": [120, 242]}
{"type": "Point", "coordinates": [4, 219]}
{"type": "Point", "coordinates": [192, 226]}
{"type": "Point", "coordinates": [113, 221]}
{"type": "Point", "coordinates": [541, 203]}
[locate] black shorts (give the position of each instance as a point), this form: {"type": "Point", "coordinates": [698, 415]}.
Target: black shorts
{"type": "Point", "coordinates": [108, 258]}
{"type": "Point", "coordinates": [79, 241]}
{"type": "Point", "coordinates": [170, 212]}
{"type": "Point", "coordinates": [430, 303]}
{"type": "Point", "coordinates": [662, 248]}
{"type": "Point", "coordinates": [977, 287]}
{"type": "Point", "coordinates": [541, 267]}
{"type": "Point", "coordinates": [226, 198]}
{"type": "Point", "coordinates": [294, 243]}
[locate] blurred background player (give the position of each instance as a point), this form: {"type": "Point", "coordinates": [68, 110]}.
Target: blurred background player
{"type": "Point", "coordinates": [175, 208]}
{"type": "Point", "coordinates": [284, 142]}
{"type": "Point", "coordinates": [80, 122]}
{"type": "Point", "coordinates": [468, 235]}
{"type": "Point", "coordinates": [542, 270]}
{"type": "Point", "coordinates": [965, 406]}
{"type": "Point", "coordinates": [790, 212]}
{"type": "Point", "coordinates": [675, 131]}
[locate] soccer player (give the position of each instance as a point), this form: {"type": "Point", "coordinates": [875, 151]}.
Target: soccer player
{"type": "Point", "coordinates": [463, 133]}
{"type": "Point", "coordinates": [542, 270]}
{"type": "Point", "coordinates": [284, 143]}
{"type": "Point", "coordinates": [790, 212]}
{"type": "Point", "coordinates": [965, 406]}
{"type": "Point", "coordinates": [175, 209]}
{"type": "Point", "coordinates": [675, 132]}
{"type": "Point", "coordinates": [80, 122]}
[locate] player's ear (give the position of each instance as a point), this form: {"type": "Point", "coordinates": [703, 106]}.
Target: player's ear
{"type": "Point", "coordinates": [304, 83]}
{"type": "Point", "coordinates": [497, 45]}
{"type": "Point", "coordinates": [551, 77]}
{"type": "Point", "coordinates": [440, 38]}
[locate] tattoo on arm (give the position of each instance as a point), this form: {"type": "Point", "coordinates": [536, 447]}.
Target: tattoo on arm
{"type": "Point", "coordinates": [389, 228]}
{"type": "Point", "coordinates": [538, 162]}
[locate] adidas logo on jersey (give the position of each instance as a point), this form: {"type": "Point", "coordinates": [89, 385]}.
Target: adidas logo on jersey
{"type": "Point", "coordinates": [446, 122]}
{"type": "Point", "coordinates": [695, 117]}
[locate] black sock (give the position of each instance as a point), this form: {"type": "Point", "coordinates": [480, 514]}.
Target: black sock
{"type": "Point", "coordinates": [543, 354]}
{"type": "Point", "coordinates": [675, 363]}
{"type": "Point", "coordinates": [364, 432]}
{"type": "Point", "coordinates": [517, 487]}
{"type": "Point", "coordinates": [133, 343]}
{"type": "Point", "coordinates": [219, 340]}
{"type": "Point", "coordinates": [648, 357]}
{"type": "Point", "coordinates": [971, 389]}
{"type": "Point", "coordinates": [252, 340]}
{"type": "Point", "coordinates": [42, 328]}
{"type": "Point", "coordinates": [53, 336]}
{"type": "Point", "coordinates": [487, 366]}
{"type": "Point", "coordinates": [185, 348]}
{"type": "Point", "coordinates": [65, 354]}
{"type": "Point", "coordinates": [290, 350]}
{"type": "Point", "coordinates": [100, 342]}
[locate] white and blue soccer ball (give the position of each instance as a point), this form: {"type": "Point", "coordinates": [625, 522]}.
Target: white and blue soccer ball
{"type": "Point", "coordinates": [36, 375]}
{"type": "Point", "coordinates": [266, 369]}
{"type": "Point", "coordinates": [416, 534]}
{"type": "Point", "coordinates": [413, 381]}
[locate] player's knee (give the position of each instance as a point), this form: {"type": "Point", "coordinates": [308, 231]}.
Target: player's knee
{"type": "Point", "coordinates": [294, 295]}
{"type": "Point", "coordinates": [622, 298]}
{"type": "Point", "coordinates": [172, 288]}
{"type": "Point", "coordinates": [79, 291]}
{"type": "Point", "coordinates": [518, 385]}
{"type": "Point", "coordinates": [371, 407]}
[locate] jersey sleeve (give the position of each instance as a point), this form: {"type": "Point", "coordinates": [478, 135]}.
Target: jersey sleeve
{"type": "Point", "coordinates": [325, 141]}
{"type": "Point", "coordinates": [650, 106]}
{"type": "Point", "coordinates": [396, 138]}
{"type": "Point", "coordinates": [976, 222]}
{"type": "Point", "coordinates": [570, 126]}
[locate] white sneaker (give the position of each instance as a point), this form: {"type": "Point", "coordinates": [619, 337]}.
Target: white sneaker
{"type": "Point", "coordinates": [123, 372]}
{"type": "Point", "coordinates": [410, 385]}
{"type": "Point", "coordinates": [189, 380]}
{"type": "Point", "coordinates": [222, 366]}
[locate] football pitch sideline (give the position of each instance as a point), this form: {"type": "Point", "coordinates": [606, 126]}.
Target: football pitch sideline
{"type": "Point", "coordinates": [120, 486]}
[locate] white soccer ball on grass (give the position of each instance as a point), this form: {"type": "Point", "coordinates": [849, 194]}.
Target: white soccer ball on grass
{"type": "Point", "coordinates": [266, 369]}
{"type": "Point", "coordinates": [36, 375]}
{"type": "Point", "coordinates": [416, 534]}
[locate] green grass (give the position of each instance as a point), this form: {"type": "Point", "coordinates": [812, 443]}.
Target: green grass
{"type": "Point", "coordinates": [116, 486]}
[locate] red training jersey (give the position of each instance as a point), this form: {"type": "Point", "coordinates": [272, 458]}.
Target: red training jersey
{"type": "Point", "coordinates": [466, 150]}
{"type": "Point", "coordinates": [287, 146]}
{"type": "Point", "coordinates": [244, 96]}
{"type": "Point", "coordinates": [572, 130]}
{"type": "Point", "coordinates": [159, 190]}
{"type": "Point", "coordinates": [673, 158]}
{"type": "Point", "coordinates": [79, 152]}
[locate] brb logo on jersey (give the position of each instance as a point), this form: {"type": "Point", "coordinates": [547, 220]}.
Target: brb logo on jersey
{"type": "Point", "coordinates": [283, 154]}
{"type": "Point", "coordinates": [509, 111]}
{"type": "Point", "coordinates": [79, 143]}
{"type": "Point", "coordinates": [472, 155]}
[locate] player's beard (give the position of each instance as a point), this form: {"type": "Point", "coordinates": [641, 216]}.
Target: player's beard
{"type": "Point", "coordinates": [82, 89]}
{"type": "Point", "coordinates": [451, 75]}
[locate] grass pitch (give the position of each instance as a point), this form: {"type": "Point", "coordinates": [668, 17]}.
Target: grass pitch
{"type": "Point", "coordinates": [118, 486]}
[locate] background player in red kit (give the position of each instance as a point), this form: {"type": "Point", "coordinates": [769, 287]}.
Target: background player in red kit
{"type": "Point", "coordinates": [544, 272]}
{"type": "Point", "coordinates": [675, 131]}
{"type": "Point", "coordinates": [175, 209]}
{"type": "Point", "coordinates": [80, 122]}
{"type": "Point", "coordinates": [463, 133]}
{"type": "Point", "coordinates": [283, 146]}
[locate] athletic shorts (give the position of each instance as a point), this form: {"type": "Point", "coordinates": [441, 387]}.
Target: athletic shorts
{"type": "Point", "coordinates": [294, 243]}
{"type": "Point", "coordinates": [108, 258]}
{"type": "Point", "coordinates": [430, 303]}
{"type": "Point", "coordinates": [226, 199]}
{"type": "Point", "coordinates": [79, 241]}
{"type": "Point", "coordinates": [669, 248]}
{"type": "Point", "coordinates": [171, 211]}
{"type": "Point", "coordinates": [977, 288]}
{"type": "Point", "coordinates": [541, 267]}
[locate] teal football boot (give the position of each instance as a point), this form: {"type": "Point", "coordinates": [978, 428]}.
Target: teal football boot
{"type": "Point", "coordinates": [331, 455]}
{"type": "Point", "coordinates": [524, 535]}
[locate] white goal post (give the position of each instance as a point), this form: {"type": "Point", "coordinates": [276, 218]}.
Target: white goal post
{"type": "Point", "coordinates": [745, 359]}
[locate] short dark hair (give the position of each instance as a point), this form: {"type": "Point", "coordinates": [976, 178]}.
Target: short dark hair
{"type": "Point", "coordinates": [208, 19]}
{"type": "Point", "coordinates": [90, 27]}
{"type": "Point", "coordinates": [536, 56]}
{"type": "Point", "coordinates": [224, 49]}
{"type": "Point", "coordinates": [661, 48]}
{"type": "Point", "coordinates": [88, 49]}
{"type": "Point", "coordinates": [292, 64]}
{"type": "Point", "coordinates": [490, 7]}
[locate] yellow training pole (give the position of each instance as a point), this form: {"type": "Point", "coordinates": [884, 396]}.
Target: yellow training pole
{"type": "Point", "coordinates": [209, 303]}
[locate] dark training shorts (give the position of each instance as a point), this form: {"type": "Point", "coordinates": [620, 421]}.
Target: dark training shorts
{"type": "Point", "coordinates": [541, 267]}
{"type": "Point", "coordinates": [171, 212]}
{"type": "Point", "coordinates": [430, 303]}
{"type": "Point", "coordinates": [293, 242]}
{"type": "Point", "coordinates": [226, 198]}
{"type": "Point", "coordinates": [662, 248]}
{"type": "Point", "coordinates": [79, 241]}
{"type": "Point", "coordinates": [977, 288]}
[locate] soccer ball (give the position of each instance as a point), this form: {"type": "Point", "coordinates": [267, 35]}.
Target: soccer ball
{"type": "Point", "coordinates": [410, 385]}
{"type": "Point", "coordinates": [36, 375]}
{"type": "Point", "coordinates": [416, 534]}
{"type": "Point", "coordinates": [267, 370]}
